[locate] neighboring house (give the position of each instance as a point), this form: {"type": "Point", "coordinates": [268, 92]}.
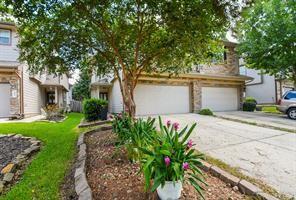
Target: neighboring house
{"type": "Point", "coordinates": [264, 88]}
{"type": "Point", "coordinates": [23, 94]}
{"type": "Point", "coordinates": [219, 87]}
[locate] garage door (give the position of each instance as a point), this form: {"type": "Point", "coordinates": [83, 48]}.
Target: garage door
{"type": "Point", "coordinates": [4, 99]}
{"type": "Point", "coordinates": [219, 98]}
{"type": "Point", "coordinates": [161, 99]}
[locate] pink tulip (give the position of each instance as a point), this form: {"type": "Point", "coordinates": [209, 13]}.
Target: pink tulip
{"type": "Point", "coordinates": [168, 123]}
{"type": "Point", "coordinates": [167, 161]}
{"type": "Point", "coordinates": [189, 144]}
{"type": "Point", "coordinates": [185, 165]}
{"type": "Point", "coordinates": [176, 126]}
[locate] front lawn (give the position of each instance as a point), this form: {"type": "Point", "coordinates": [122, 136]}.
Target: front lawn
{"type": "Point", "coordinates": [43, 177]}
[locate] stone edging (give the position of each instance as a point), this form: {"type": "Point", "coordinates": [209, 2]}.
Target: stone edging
{"type": "Point", "coordinates": [242, 185]}
{"type": "Point", "coordinates": [82, 188]}
{"type": "Point", "coordinates": [10, 169]}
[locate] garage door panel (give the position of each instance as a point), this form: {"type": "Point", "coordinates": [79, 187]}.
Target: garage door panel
{"type": "Point", "coordinates": [4, 100]}
{"type": "Point", "coordinates": [219, 98]}
{"type": "Point", "coordinates": [161, 99]}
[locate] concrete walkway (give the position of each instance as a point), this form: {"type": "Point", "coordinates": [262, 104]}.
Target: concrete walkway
{"type": "Point", "coordinates": [26, 120]}
{"type": "Point", "coordinates": [265, 119]}
{"type": "Point", "coordinates": [262, 153]}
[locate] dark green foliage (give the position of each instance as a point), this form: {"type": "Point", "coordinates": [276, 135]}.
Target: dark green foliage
{"type": "Point", "coordinates": [205, 111]}
{"type": "Point", "coordinates": [267, 33]}
{"type": "Point", "coordinates": [172, 145]}
{"type": "Point", "coordinates": [249, 106]}
{"type": "Point", "coordinates": [122, 36]}
{"type": "Point", "coordinates": [92, 108]}
{"type": "Point", "coordinates": [122, 124]}
{"type": "Point", "coordinates": [81, 89]}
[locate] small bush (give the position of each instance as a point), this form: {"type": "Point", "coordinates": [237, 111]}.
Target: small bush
{"type": "Point", "coordinates": [122, 124]}
{"type": "Point", "coordinates": [205, 111]}
{"type": "Point", "coordinates": [92, 108]}
{"type": "Point", "coordinates": [250, 100]}
{"type": "Point", "coordinates": [52, 111]}
{"type": "Point", "coordinates": [249, 107]}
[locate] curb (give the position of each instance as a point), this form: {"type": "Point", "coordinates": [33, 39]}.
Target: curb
{"type": "Point", "coordinates": [82, 188]}
{"type": "Point", "coordinates": [244, 186]}
{"type": "Point", "coordinates": [257, 124]}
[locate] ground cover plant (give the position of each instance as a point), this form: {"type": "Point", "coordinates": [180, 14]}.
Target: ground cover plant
{"type": "Point", "coordinates": [43, 177]}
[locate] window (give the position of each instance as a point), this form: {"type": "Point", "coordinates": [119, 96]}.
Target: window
{"type": "Point", "coordinates": [290, 95]}
{"type": "Point", "coordinates": [5, 36]}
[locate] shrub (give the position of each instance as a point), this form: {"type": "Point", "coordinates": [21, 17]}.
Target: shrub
{"type": "Point", "coordinates": [249, 107]}
{"type": "Point", "coordinates": [51, 111]}
{"type": "Point", "coordinates": [250, 100]}
{"type": "Point", "coordinates": [141, 134]}
{"type": "Point", "coordinates": [92, 108]}
{"type": "Point", "coordinates": [133, 133]}
{"type": "Point", "coordinates": [205, 111]}
{"type": "Point", "coordinates": [170, 157]}
{"type": "Point", "coordinates": [121, 126]}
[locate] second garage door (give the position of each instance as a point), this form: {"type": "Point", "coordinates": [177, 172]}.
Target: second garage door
{"type": "Point", "coordinates": [219, 98]}
{"type": "Point", "coordinates": [161, 99]}
{"type": "Point", "coordinates": [4, 99]}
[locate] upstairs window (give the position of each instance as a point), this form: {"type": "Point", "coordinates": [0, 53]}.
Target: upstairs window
{"type": "Point", "coordinates": [5, 37]}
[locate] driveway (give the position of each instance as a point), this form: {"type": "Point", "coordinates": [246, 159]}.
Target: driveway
{"type": "Point", "coordinates": [265, 119]}
{"type": "Point", "coordinates": [262, 153]}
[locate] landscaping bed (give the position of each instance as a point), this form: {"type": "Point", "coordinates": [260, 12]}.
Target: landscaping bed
{"type": "Point", "coordinates": [15, 153]}
{"type": "Point", "coordinates": [112, 176]}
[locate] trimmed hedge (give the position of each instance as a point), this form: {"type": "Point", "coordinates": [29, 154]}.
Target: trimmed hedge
{"type": "Point", "coordinates": [249, 106]}
{"type": "Point", "coordinates": [93, 108]}
{"type": "Point", "coordinates": [250, 100]}
{"type": "Point", "coordinates": [205, 111]}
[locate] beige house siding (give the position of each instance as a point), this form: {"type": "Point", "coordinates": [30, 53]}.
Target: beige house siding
{"type": "Point", "coordinates": [116, 102]}
{"type": "Point", "coordinates": [33, 95]}
{"type": "Point", "coordinates": [10, 52]}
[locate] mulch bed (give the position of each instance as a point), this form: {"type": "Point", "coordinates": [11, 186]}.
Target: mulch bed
{"type": "Point", "coordinates": [10, 147]}
{"type": "Point", "coordinates": [111, 175]}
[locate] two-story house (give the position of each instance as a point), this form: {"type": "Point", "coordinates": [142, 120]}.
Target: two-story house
{"type": "Point", "coordinates": [218, 86]}
{"type": "Point", "coordinates": [21, 93]}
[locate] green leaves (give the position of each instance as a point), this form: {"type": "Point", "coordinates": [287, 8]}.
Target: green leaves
{"type": "Point", "coordinates": [166, 155]}
{"type": "Point", "coordinates": [267, 37]}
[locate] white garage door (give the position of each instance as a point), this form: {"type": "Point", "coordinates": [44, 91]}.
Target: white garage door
{"type": "Point", "coordinates": [219, 98]}
{"type": "Point", "coordinates": [4, 99]}
{"type": "Point", "coordinates": [161, 99]}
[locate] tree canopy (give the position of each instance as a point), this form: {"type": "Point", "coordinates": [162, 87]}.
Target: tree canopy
{"type": "Point", "coordinates": [267, 36]}
{"type": "Point", "coordinates": [122, 37]}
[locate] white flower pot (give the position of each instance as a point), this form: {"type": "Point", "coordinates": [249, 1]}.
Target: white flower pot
{"type": "Point", "coordinates": [170, 190]}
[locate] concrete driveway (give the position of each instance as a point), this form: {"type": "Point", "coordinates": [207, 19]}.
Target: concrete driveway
{"type": "Point", "coordinates": [265, 119]}
{"type": "Point", "coordinates": [262, 153]}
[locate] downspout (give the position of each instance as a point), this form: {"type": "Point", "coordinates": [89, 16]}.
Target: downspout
{"type": "Point", "coordinates": [276, 93]}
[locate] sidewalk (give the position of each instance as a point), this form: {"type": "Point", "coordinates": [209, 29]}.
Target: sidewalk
{"type": "Point", "coordinates": [26, 120]}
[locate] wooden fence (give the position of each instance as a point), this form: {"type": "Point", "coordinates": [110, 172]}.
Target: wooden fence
{"type": "Point", "coordinates": [76, 106]}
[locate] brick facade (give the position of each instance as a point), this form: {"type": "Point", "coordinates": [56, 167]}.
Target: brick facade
{"type": "Point", "coordinates": [14, 82]}
{"type": "Point", "coordinates": [228, 67]}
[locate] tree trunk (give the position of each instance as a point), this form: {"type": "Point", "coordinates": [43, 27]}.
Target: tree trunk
{"type": "Point", "coordinates": [128, 96]}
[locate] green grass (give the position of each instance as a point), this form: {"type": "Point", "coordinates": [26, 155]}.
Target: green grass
{"type": "Point", "coordinates": [43, 177]}
{"type": "Point", "coordinates": [270, 109]}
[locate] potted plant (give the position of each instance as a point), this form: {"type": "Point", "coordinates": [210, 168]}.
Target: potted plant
{"type": "Point", "coordinates": [169, 160]}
